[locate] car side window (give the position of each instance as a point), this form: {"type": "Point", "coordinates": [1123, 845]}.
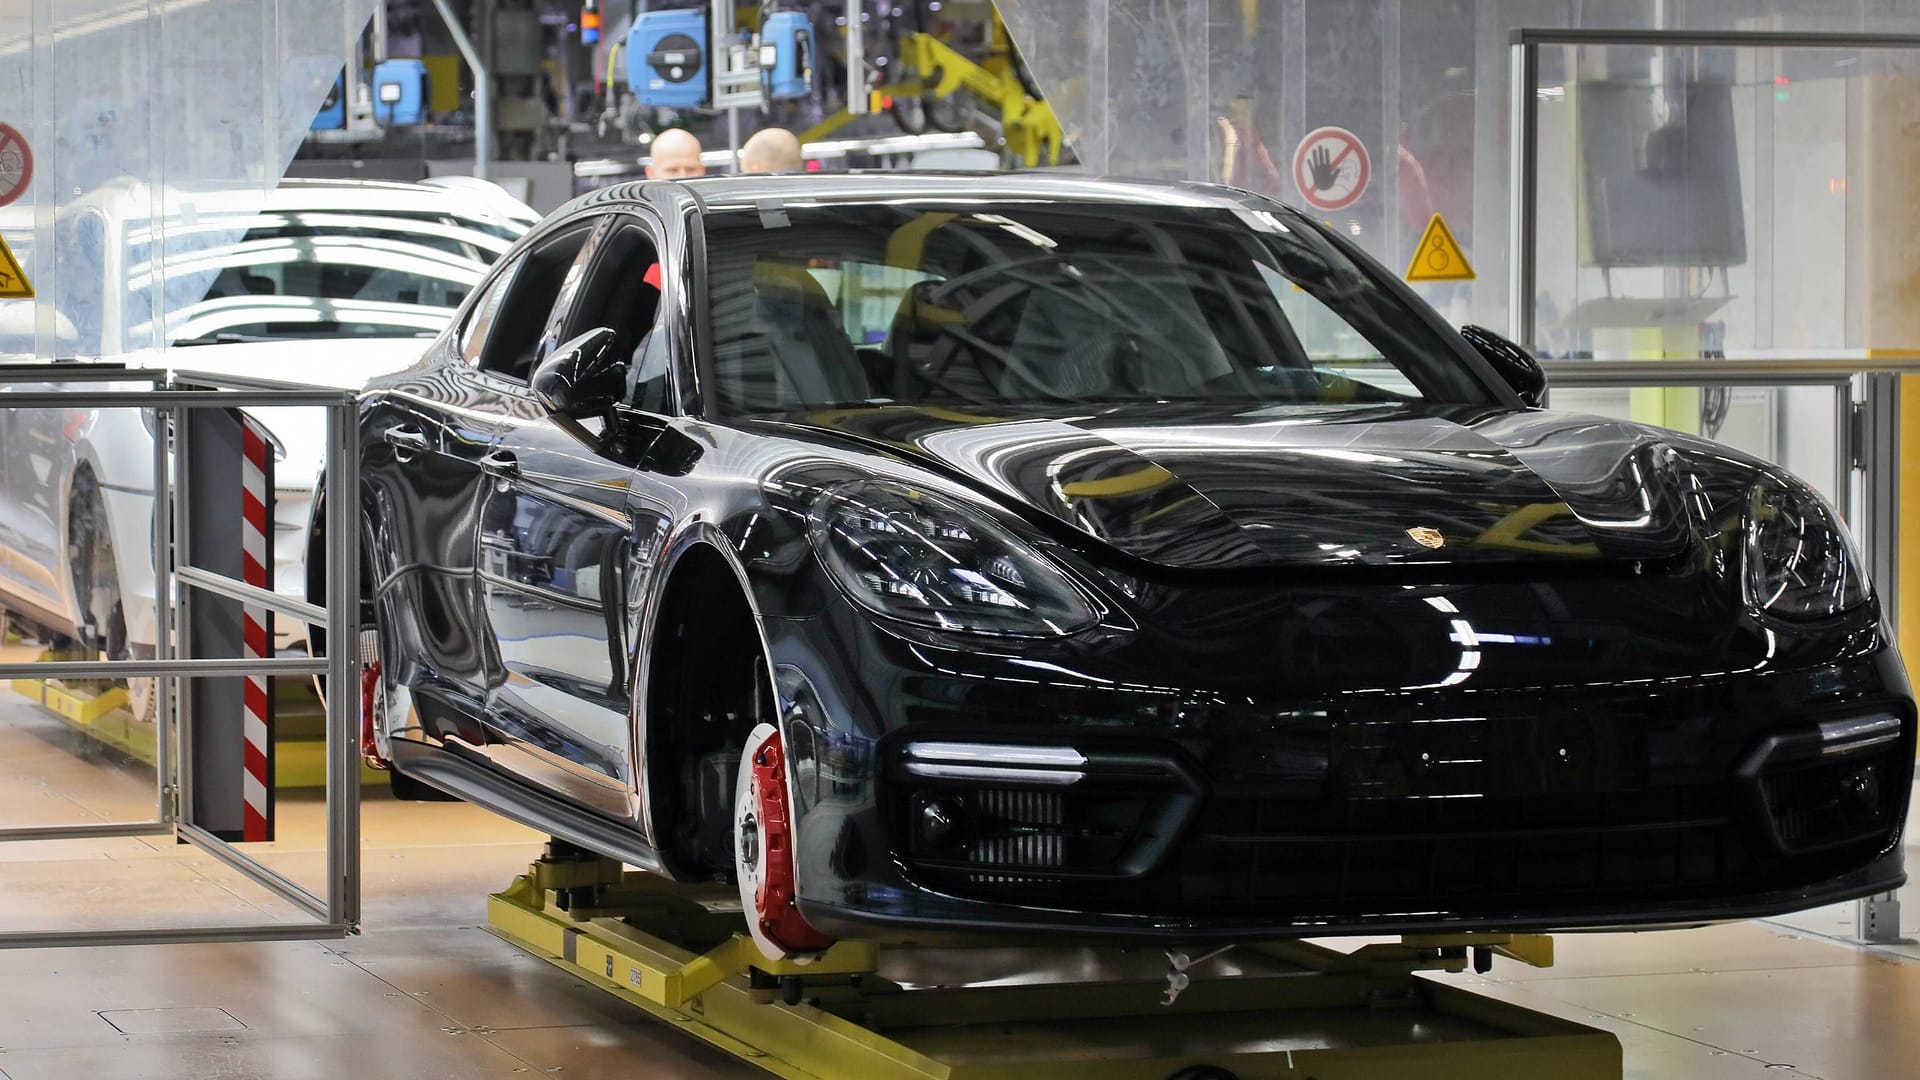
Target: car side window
{"type": "Point", "coordinates": [623, 293]}
{"type": "Point", "coordinates": [480, 320]}
{"type": "Point", "coordinates": [508, 330]}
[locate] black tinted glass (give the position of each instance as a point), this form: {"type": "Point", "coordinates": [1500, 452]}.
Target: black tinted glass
{"type": "Point", "coordinates": [1083, 304]}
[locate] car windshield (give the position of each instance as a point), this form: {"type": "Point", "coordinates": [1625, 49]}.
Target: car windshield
{"type": "Point", "coordinates": [331, 273]}
{"type": "Point", "coordinates": [1045, 304]}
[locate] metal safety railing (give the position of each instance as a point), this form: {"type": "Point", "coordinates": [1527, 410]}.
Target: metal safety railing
{"type": "Point", "coordinates": [178, 580]}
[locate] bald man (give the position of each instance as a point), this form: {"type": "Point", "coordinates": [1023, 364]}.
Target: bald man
{"type": "Point", "coordinates": [771, 150]}
{"type": "Point", "coordinates": [676, 156]}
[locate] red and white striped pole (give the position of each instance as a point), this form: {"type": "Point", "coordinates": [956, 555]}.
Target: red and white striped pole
{"type": "Point", "coordinates": [256, 570]}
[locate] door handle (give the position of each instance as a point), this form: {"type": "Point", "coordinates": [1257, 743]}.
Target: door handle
{"type": "Point", "coordinates": [501, 464]}
{"type": "Point", "coordinates": [406, 440]}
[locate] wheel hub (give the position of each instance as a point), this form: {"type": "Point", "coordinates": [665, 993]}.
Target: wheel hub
{"type": "Point", "coordinates": [750, 843]}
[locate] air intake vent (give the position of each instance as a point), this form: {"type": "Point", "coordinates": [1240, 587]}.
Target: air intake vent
{"type": "Point", "coordinates": [1839, 783]}
{"type": "Point", "coordinates": [1827, 803]}
{"type": "Point", "coordinates": [1017, 828]}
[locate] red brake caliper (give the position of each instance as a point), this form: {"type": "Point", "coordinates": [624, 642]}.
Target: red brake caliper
{"type": "Point", "coordinates": [369, 683]}
{"type": "Point", "coordinates": [766, 851]}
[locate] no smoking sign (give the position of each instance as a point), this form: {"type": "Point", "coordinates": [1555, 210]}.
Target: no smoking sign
{"type": "Point", "coordinates": [1331, 168]}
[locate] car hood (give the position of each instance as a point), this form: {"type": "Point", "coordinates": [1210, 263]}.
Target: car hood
{"type": "Point", "coordinates": [338, 363]}
{"type": "Point", "coordinates": [1369, 484]}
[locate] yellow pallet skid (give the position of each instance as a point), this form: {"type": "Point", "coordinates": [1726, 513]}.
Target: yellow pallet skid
{"type": "Point", "coordinates": [299, 750]}
{"type": "Point", "coordinates": [101, 716]}
{"type": "Point", "coordinates": [1291, 1010]}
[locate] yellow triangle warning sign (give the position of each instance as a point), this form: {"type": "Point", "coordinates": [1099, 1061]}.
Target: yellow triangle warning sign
{"type": "Point", "coordinates": [1438, 256]}
{"type": "Point", "coordinates": [13, 280]}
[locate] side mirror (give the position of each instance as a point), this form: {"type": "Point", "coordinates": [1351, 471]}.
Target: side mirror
{"type": "Point", "coordinates": [1514, 364]}
{"type": "Point", "coordinates": [582, 378]}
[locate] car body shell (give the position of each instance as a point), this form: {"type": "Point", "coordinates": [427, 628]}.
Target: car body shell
{"type": "Point", "coordinates": [1308, 719]}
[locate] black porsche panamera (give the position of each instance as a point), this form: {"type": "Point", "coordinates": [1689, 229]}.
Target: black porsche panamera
{"type": "Point", "coordinates": [1029, 552]}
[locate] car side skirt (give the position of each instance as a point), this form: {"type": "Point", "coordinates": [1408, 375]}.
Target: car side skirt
{"type": "Point", "coordinates": [483, 786]}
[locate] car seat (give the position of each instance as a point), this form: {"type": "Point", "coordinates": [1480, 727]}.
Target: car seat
{"type": "Point", "coordinates": [927, 344]}
{"type": "Point", "coordinates": [790, 350]}
{"type": "Point", "coordinates": [1115, 327]}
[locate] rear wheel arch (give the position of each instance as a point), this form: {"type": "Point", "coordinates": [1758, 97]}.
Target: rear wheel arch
{"type": "Point", "coordinates": [90, 553]}
{"type": "Point", "coordinates": [316, 576]}
{"type": "Point", "coordinates": [316, 559]}
{"type": "Point", "coordinates": [94, 574]}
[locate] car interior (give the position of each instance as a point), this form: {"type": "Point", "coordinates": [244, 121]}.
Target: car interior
{"type": "Point", "coordinates": [1127, 312]}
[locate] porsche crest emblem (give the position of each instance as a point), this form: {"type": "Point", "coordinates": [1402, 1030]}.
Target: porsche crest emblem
{"type": "Point", "coordinates": [1426, 537]}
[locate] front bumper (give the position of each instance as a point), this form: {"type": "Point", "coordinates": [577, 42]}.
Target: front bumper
{"type": "Point", "coordinates": [1632, 803]}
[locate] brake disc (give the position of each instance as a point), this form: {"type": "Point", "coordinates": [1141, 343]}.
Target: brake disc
{"type": "Point", "coordinates": [763, 853]}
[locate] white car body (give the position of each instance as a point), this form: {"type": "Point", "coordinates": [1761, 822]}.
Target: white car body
{"type": "Point", "coordinates": [382, 232]}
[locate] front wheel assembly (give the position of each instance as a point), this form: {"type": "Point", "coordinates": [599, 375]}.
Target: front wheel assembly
{"type": "Point", "coordinates": [764, 853]}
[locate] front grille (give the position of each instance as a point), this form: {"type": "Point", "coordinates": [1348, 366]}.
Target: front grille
{"type": "Point", "coordinates": [1524, 797]}
{"type": "Point", "coordinates": [1413, 853]}
{"type": "Point", "coordinates": [1521, 804]}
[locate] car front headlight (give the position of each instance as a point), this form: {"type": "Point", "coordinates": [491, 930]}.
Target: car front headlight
{"type": "Point", "coordinates": [1801, 563]}
{"type": "Point", "coordinates": [913, 556]}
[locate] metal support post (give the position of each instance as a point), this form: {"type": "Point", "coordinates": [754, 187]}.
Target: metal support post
{"type": "Point", "coordinates": [163, 761]}
{"type": "Point", "coordinates": [343, 666]}
{"type": "Point", "coordinates": [1879, 453]}
{"type": "Point", "coordinates": [1877, 917]}
{"type": "Point", "coordinates": [181, 554]}
{"type": "Point", "coordinates": [482, 90]}
{"type": "Point", "coordinates": [1522, 192]}
{"type": "Point", "coordinates": [858, 103]}
{"type": "Point", "coordinates": [1880, 918]}
{"type": "Point", "coordinates": [350, 78]}
{"type": "Point", "coordinates": [379, 32]}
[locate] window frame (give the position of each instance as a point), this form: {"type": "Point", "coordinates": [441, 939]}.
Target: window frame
{"type": "Point", "coordinates": [602, 252]}
{"type": "Point", "coordinates": [505, 274]}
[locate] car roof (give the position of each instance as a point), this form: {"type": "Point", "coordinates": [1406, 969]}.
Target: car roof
{"type": "Point", "coordinates": [132, 200]}
{"type": "Point", "coordinates": [300, 193]}
{"type": "Point", "coordinates": [719, 193]}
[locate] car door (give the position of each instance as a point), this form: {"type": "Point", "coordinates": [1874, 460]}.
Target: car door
{"type": "Point", "coordinates": [426, 443]}
{"type": "Point", "coordinates": [556, 541]}
{"type": "Point", "coordinates": [38, 460]}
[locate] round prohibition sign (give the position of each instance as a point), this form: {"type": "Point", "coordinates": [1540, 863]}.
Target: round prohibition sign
{"type": "Point", "coordinates": [1331, 168]}
{"type": "Point", "coordinates": [16, 164]}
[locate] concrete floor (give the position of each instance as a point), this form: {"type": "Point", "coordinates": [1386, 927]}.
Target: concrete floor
{"type": "Point", "coordinates": [424, 992]}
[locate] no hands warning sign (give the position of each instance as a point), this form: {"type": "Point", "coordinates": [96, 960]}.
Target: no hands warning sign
{"type": "Point", "coordinates": [1437, 257]}
{"type": "Point", "coordinates": [1331, 168]}
{"type": "Point", "coordinates": [16, 164]}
